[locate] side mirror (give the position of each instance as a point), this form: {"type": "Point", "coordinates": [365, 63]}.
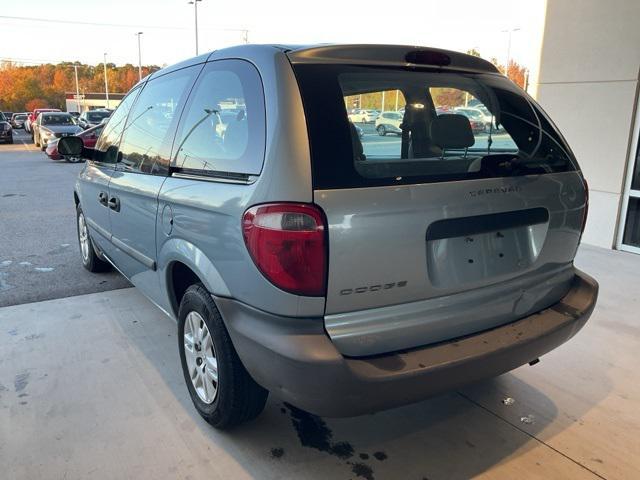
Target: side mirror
{"type": "Point", "coordinates": [72, 146]}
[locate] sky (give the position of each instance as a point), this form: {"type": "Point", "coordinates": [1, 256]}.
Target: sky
{"type": "Point", "coordinates": [168, 27]}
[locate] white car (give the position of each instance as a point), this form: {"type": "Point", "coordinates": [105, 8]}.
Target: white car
{"type": "Point", "coordinates": [363, 116]}
{"type": "Point", "coordinates": [389, 122]}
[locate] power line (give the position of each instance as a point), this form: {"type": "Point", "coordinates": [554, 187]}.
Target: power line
{"type": "Point", "coordinates": [114, 25]}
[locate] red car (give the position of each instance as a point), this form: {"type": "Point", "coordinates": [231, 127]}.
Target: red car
{"type": "Point", "coordinates": [89, 139]}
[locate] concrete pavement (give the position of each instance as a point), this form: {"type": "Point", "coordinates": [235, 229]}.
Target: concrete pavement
{"type": "Point", "coordinates": [91, 387]}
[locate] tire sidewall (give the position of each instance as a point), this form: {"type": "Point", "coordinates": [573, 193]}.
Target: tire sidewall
{"type": "Point", "coordinates": [192, 302]}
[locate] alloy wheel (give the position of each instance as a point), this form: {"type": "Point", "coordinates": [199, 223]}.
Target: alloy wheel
{"type": "Point", "coordinates": [200, 356]}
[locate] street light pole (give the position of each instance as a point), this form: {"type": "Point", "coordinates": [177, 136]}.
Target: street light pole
{"type": "Point", "coordinates": [75, 69]}
{"type": "Point", "coordinates": [139, 57]}
{"type": "Point", "coordinates": [509, 31]}
{"type": "Point", "coordinates": [195, 10]}
{"type": "Point", "coordinates": [106, 82]}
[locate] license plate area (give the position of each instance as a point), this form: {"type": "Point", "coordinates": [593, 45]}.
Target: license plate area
{"type": "Point", "coordinates": [475, 249]}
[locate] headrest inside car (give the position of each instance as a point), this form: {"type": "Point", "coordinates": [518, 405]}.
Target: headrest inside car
{"type": "Point", "coordinates": [451, 131]}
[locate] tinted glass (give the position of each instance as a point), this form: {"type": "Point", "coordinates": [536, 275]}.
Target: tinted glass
{"type": "Point", "coordinates": [2, 117]}
{"type": "Point", "coordinates": [147, 139]}
{"type": "Point", "coordinates": [97, 116]}
{"type": "Point", "coordinates": [439, 139]}
{"type": "Point", "coordinates": [57, 119]}
{"type": "Point", "coordinates": [223, 127]}
{"type": "Point", "coordinates": [635, 180]}
{"type": "Point", "coordinates": [106, 146]}
{"type": "Point", "coordinates": [632, 225]}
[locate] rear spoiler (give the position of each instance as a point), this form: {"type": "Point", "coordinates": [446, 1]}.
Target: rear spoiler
{"type": "Point", "coordinates": [391, 55]}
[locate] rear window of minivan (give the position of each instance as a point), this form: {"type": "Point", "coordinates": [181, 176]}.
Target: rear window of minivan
{"type": "Point", "coordinates": [454, 126]}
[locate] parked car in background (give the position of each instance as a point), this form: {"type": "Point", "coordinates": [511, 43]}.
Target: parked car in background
{"type": "Point", "coordinates": [18, 119]}
{"type": "Point", "coordinates": [50, 125]}
{"type": "Point", "coordinates": [89, 138]}
{"type": "Point", "coordinates": [301, 260]}
{"type": "Point", "coordinates": [6, 131]}
{"type": "Point", "coordinates": [8, 115]}
{"type": "Point", "coordinates": [91, 118]}
{"type": "Point", "coordinates": [31, 118]}
{"type": "Point", "coordinates": [75, 114]}
{"type": "Point", "coordinates": [364, 116]}
{"type": "Point", "coordinates": [389, 122]}
{"type": "Point", "coordinates": [476, 118]}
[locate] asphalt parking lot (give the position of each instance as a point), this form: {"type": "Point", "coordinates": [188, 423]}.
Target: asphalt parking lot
{"type": "Point", "coordinates": [39, 256]}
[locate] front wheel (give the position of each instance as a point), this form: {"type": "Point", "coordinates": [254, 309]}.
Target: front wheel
{"type": "Point", "coordinates": [90, 259]}
{"type": "Point", "coordinates": [221, 389]}
{"type": "Point", "coordinates": [382, 131]}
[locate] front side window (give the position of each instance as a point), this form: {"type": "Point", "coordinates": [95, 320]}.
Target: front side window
{"type": "Point", "coordinates": [147, 138]}
{"type": "Point", "coordinates": [222, 130]}
{"type": "Point", "coordinates": [107, 145]}
{"type": "Point", "coordinates": [431, 127]}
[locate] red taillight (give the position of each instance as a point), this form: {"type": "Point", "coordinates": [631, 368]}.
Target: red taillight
{"type": "Point", "coordinates": [287, 243]}
{"type": "Point", "coordinates": [586, 205]}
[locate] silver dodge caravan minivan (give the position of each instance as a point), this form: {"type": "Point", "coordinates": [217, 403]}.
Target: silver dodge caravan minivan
{"type": "Point", "coordinates": [304, 255]}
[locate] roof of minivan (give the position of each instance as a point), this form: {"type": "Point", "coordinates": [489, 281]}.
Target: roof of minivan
{"type": "Point", "coordinates": [354, 54]}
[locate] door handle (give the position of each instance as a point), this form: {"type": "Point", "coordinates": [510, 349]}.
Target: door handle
{"type": "Point", "coordinates": [114, 204]}
{"type": "Point", "coordinates": [103, 198]}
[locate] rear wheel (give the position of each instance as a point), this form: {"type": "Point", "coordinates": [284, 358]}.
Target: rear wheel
{"type": "Point", "coordinates": [90, 259]}
{"type": "Point", "coordinates": [222, 391]}
{"type": "Point", "coordinates": [382, 130]}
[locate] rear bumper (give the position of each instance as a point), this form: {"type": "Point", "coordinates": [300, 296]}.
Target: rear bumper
{"type": "Point", "coordinates": [296, 360]}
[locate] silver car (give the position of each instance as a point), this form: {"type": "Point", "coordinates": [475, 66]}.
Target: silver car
{"type": "Point", "coordinates": [52, 125]}
{"type": "Point", "coordinates": [343, 274]}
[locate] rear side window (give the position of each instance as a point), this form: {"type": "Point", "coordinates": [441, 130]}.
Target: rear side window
{"type": "Point", "coordinates": [423, 126]}
{"type": "Point", "coordinates": [222, 130]}
{"type": "Point", "coordinates": [147, 139]}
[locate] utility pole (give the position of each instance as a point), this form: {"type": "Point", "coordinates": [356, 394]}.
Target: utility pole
{"type": "Point", "coordinates": [245, 36]}
{"type": "Point", "coordinates": [106, 82]}
{"type": "Point", "coordinates": [75, 69]}
{"type": "Point", "coordinates": [139, 57]}
{"type": "Point", "coordinates": [195, 10]}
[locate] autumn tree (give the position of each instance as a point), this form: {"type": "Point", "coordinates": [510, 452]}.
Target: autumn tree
{"type": "Point", "coordinates": [45, 85]}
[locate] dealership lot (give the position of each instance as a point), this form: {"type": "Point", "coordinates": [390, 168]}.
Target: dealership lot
{"type": "Point", "coordinates": [91, 386]}
{"type": "Point", "coordinates": [39, 256]}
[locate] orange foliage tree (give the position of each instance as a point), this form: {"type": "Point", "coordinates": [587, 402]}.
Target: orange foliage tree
{"type": "Point", "coordinates": [22, 87]}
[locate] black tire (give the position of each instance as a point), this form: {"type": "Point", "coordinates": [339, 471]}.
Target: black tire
{"type": "Point", "coordinates": [382, 130]}
{"type": "Point", "coordinates": [238, 398]}
{"type": "Point", "coordinates": [92, 262]}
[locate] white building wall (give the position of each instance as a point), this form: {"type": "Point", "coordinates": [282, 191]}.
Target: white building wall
{"type": "Point", "coordinates": [588, 83]}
